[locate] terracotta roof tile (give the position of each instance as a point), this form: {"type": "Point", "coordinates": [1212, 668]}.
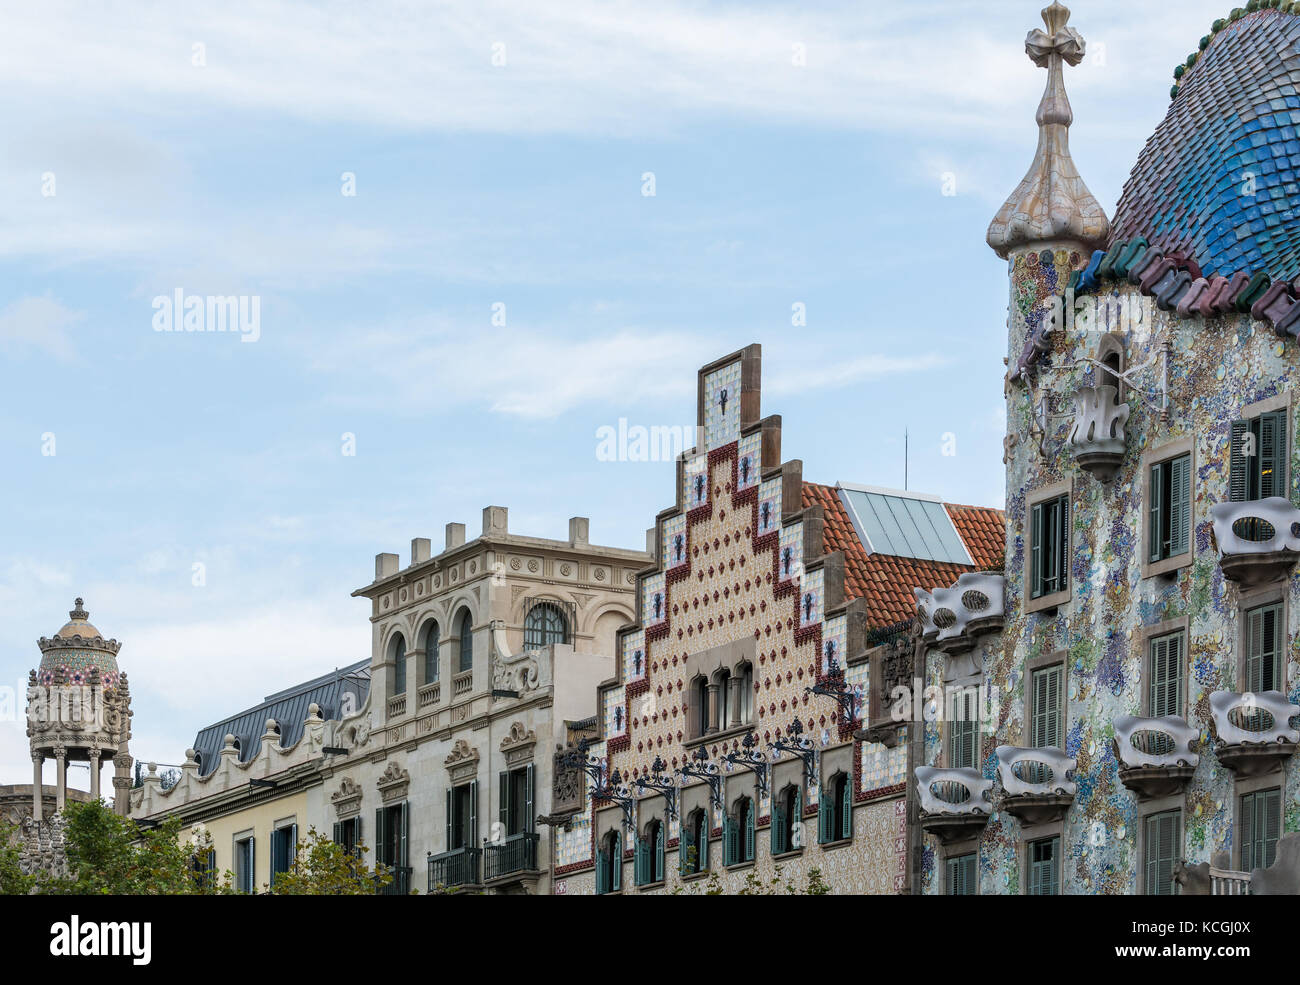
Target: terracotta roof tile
{"type": "Point", "coordinates": [885, 581]}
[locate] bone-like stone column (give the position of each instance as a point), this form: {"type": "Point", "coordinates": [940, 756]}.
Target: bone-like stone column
{"type": "Point", "coordinates": [38, 800]}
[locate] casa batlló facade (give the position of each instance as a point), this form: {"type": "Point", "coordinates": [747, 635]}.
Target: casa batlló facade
{"type": "Point", "coordinates": [1134, 715]}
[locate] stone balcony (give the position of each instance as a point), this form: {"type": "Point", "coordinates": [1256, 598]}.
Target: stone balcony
{"type": "Point", "coordinates": [1036, 783]}
{"type": "Point", "coordinates": [952, 618]}
{"type": "Point", "coordinates": [1097, 438]}
{"type": "Point", "coordinates": [1154, 754]}
{"type": "Point", "coordinates": [955, 803]}
{"type": "Point", "coordinates": [1258, 540]}
{"type": "Point", "coordinates": [1253, 731]}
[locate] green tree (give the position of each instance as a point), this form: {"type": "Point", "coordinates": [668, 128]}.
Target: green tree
{"type": "Point", "coordinates": [323, 868]}
{"type": "Point", "coordinates": [12, 880]}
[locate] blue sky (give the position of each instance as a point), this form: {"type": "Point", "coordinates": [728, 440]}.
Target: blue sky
{"type": "Point", "coordinates": [480, 184]}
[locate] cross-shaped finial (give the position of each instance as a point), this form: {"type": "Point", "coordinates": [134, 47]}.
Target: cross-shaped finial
{"type": "Point", "coordinates": [1058, 39]}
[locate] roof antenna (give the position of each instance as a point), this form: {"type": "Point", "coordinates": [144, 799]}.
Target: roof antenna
{"type": "Point", "coordinates": [905, 455]}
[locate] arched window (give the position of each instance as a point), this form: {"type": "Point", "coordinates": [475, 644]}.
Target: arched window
{"type": "Point", "coordinates": [431, 653]}
{"type": "Point", "coordinates": [738, 833]}
{"type": "Point", "coordinates": [399, 665]}
{"type": "Point", "coordinates": [786, 820]}
{"type": "Point", "coordinates": [835, 810]}
{"type": "Point", "coordinates": [725, 709]}
{"type": "Point", "coordinates": [466, 635]}
{"type": "Point", "coordinates": [746, 673]}
{"type": "Point", "coordinates": [609, 864]}
{"type": "Point", "coordinates": [693, 845]}
{"type": "Point", "coordinates": [649, 860]}
{"type": "Point", "coordinates": [700, 706]}
{"type": "Point", "coordinates": [545, 624]}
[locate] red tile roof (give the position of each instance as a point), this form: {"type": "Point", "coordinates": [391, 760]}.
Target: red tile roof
{"type": "Point", "coordinates": [885, 581]}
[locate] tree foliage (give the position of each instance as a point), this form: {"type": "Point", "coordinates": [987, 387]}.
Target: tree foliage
{"type": "Point", "coordinates": [322, 867]}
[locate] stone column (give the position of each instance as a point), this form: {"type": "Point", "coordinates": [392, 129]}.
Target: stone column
{"type": "Point", "coordinates": [94, 774]}
{"type": "Point", "coordinates": [38, 797]}
{"type": "Point", "coordinates": [733, 701]}
{"type": "Point", "coordinates": [122, 784]}
{"type": "Point", "coordinates": [714, 708]}
{"type": "Point", "coordinates": [61, 790]}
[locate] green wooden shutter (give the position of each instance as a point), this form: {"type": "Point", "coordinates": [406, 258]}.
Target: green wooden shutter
{"type": "Point", "coordinates": [1159, 683]}
{"type": "Point", "coordinates": [616, 863]}
{"type": "Point", "coordinates": [1272, 454]}
{"type": "Point", "coordinates": [503, 804]}
{"type": "Point", "coordinates": [706, 829]}
{"type": "Point", "coordinates": [729, 839]}
{"type": "Point", "coordinates": [659, 854]}
{"type": "Point", "coordinates": [338, 832]}
{"type": "Point", "coordinates": [638, 861]}
{"type": "Point", "coordinates": [451, 839]}
{"type": "Point", "coordinates": [796, 824]}
{"type": "Point", "coordinates": [824, 816]}
{"type": "Point", "coordinates": [530, 823]}
{"type": "Point", "coordinates": [381, 845]}
{"type": "Point", "coordinates": [1062, 544]}
{"type": "Point", "coordinates": [602, 873]}
{"type": "Point", "coordinates": [846, 793]}
{"type": "Point", "coordinates": [1162, 849]}
{"type": "Point", "coordinates": [1180, 505]}
{"type": "Point", "coordinates": [402, 851]}
{"type": "Point", "coordinates": [1036, 552]}
{"type": "Point", "coordinates": [471, 838]}
{"type": "Point", "coordinates": [749, 834]}
{"type": "Point", "coordinates": [776, 831]}
{"type": "Point", "coordinates": [1263, 648]}
{"type": "Point", "coordinates": [1156, 514]}
{"type": "Point", "coordinates": [684, 849]}
{"type": "Point", "coordinates": [1239, 465]}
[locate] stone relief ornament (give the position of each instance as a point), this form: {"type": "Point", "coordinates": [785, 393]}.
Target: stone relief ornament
{"type": "Point", "coordinates": [393, 782]}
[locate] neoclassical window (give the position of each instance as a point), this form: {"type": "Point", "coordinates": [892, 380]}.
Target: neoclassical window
{"type": "Point", "coordinates": [466, 637]}
{"type": "Point", "coordinates": [399, 664]}
{"type": "Point", "coordinates": [431, 653]}
{"type": "Point", "coordinates": [545, 624]}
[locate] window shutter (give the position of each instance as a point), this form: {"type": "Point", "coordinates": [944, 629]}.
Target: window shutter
{"type": "Point", "coordinates": [659, 854]}
{"type": "Point", "coordinates": [381, 846]}
{"type": "Point", "coordinates": [1270, 678]}
{"type": "Point", "coordinates": [530, 823]}
{"type": "Point", "coordinates": [616, 863]}
{"type": "Point", "coordinates": [503, 804]}
{"type": "Point", "coordinates": [796, 823]}
{"type": "Point", "coordinates": [846, 795]}
{"type": "Point", "coordinates": [684, 849]}
{"type": "Point", "coordinates": [1238, 462]}
{"type": "Point", "coordinates": [471, 839]}
{"type": "Point", "coordinates": [728, 840]}
{"type": "Point", "coordinates": [1272, 454]}
{"type": "Point", "coordinates": [1272, 808]}
{"type": "Point", "coordinates": [1156, 517]}
{"type": "Point", "coordinates": [1248, 834]}
{"type": "Point", "coordinates": [405, 829]}
{"type": "Point", "coordinates": [451, 840]}
{"type": "Point", "coordinates": [1062, 544]}
{"type": "Point", "coordinates": [602, 873]}
{"type": "Point", "coordinates": [252, 865]}
{"type": "Point", "coordinates": [1180, 506]}
{"type": "Point", "coordinates": [1054, 707]}
{"type": "Point", "coordinates": [777, 830]}
{"type": "Point", "coordinates": [1036, 552]}
{"type": "Point", "coordinates": [823, 817]}
{"type": "Point", "coordinates": [1159, 660]}
{"type": "Point", "coordinates": [338, 832]}
{"type": "Point", "coordinates": [749, 834]}
{"type": "Point", "coordinates": [638, 861]}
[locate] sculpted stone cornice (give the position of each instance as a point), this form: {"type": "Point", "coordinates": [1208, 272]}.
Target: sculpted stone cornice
{"type": "Point", "coordinates": [347, 798]}
{"type": "Point", "coordinates": [518, 745]}
{"type": "Point", "coordinates": [462, 762]}
{"type": "Point", "coordinates": [393, 783]}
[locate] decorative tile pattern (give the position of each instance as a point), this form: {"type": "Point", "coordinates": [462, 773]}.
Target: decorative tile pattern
{"type": "Point", "coordinates": [634, 660]}
{"type": "Point", "coordinates": [722, 406]}
{"type": "Point", "coordinates": [749, 461]}
{"type": "Point", "coordinates": [673, 552]}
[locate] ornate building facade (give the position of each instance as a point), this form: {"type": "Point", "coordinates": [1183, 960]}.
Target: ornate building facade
{"type": "Point", "coordinates": [730, 741]}
{"type": "Point", "coordinates": [484, 658]}
{"type": "Point", "coordinates": [1129, 724]}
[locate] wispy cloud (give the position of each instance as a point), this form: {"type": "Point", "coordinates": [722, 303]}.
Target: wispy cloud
{"type": "Point", "coordinates": [41, 324]}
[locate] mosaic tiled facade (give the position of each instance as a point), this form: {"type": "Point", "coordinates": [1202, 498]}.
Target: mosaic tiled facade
{"type": "Point", "coordinates": [1078, 323]}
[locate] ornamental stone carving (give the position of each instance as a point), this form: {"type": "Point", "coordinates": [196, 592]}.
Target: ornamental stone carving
{"type": "Point", "coordinates": [393, 783]}
{"type": "Point", "coordinates": [462, 762]}
{"type": "Point", "coordinates": [347, 798]}
{"type": "Point", "coordinates": [1097, 438]}
{"type": "Point", "coordinates": [518, 745]}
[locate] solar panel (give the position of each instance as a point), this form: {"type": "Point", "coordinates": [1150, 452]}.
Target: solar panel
{"type": "Point", "coordinates": [903, 524]}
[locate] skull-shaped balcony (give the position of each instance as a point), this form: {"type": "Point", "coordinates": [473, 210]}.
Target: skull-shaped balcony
{"type": "Point", "coordinates": [1097, 438]}
{"type": "Point", "coordinates": [1154, 754]}
{"type": "Point", "coordinates": [1253, 731]}
{"type": "Point", "coordinates": [952, 618]}
{"type": "Point", "coordinates": [1258, 540]}
{"type": "Point", "coordinates": [955, 803]}
{"type": "Point", "coordinates": [1036, 783]}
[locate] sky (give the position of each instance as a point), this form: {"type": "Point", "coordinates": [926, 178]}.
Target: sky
{"type": "Point", "coordinates": [442, 214]}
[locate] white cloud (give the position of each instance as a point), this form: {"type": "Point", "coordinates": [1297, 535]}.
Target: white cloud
{"type": "Point", "coordinates": [39, 323]}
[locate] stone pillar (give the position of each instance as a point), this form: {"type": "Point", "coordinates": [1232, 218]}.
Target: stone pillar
{"type": "Point", "coordinates": [121, 784]}
{"type": "Point", "coordinates": [61, 789]}
{"type": "Point", "coordinates": [714, 707]}
{"type": "Point", "coordinates": [733, 701]}
{"type": "Point", "coordinates": [94, 774]}
{"type": "Point", "coordinates": [38, 799]}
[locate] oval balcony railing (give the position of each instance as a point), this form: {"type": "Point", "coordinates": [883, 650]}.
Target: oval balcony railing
{"type": "Point", "coordinates": [955, 803]}
{"type": "Point", "coordinates": [1155, 754]}
{"type": "Point", "coordinates": [1253, 731]}
{"type": "Point", "coordinates": [1097, 437]}
{"type": "Point", "coordinates": [951, 618]}
{"type": "Point", "coordinates": [1258, 540]}
{"type": "Point", "coordinates": [1036, 782]}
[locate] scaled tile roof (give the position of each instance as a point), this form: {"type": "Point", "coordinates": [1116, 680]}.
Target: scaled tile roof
{"type": "Point", "coordinates": [885, 581]}
{"type": "Point", "coordinates": [1218, 183]}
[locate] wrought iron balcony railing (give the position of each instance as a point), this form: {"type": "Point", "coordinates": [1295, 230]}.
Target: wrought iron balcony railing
{"type": "Point", "coordinates": [518, 853]}
{"type": "Point", "coordinates": [399, 885]}
{"type": "Point", "coordinates": [1258, 540]}
{"type": "Point", "coordinates": [458, 867]}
